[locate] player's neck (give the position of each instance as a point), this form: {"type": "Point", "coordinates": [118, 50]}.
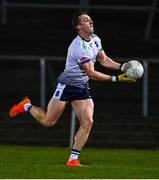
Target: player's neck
{"type": "Point", "coordinates": [85, 36]}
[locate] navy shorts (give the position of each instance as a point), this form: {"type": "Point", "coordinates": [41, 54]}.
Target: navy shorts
{"type": "Point", "coordinates": [69, 93]}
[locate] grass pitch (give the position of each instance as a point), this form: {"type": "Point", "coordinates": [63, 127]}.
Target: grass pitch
{"type": "Point", "coordinates": [20, 162]}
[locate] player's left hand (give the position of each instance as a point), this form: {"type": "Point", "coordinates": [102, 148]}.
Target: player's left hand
{"type": "Point", "coordinates": [124, 78]}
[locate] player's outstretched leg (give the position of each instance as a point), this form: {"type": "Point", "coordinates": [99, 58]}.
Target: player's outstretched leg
{"type": "Point", "coordinates": [54, 110]}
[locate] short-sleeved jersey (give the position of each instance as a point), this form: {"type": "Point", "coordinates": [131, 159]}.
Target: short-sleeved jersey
{"type": "Point", "coordinates": [80, 51]}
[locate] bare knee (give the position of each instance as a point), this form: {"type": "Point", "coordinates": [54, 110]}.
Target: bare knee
{"type": "Point", "coordinates": [49, 122]}
{"type": "Point", "coordinates": [87, 123]}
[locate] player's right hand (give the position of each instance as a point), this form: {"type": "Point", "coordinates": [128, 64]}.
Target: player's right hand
{"type": "Point", "coordinates": [124, 78]}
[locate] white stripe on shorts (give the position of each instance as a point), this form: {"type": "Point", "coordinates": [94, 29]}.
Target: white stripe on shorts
{"type": "Point", "coordinates": [59, 90]}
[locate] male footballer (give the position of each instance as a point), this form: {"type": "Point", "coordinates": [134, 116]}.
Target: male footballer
{"type": "Point", "coordinates": [72, 84]}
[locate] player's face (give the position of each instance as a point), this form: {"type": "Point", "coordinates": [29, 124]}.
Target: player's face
{"type": "Point", "coordinates": [86, 24]}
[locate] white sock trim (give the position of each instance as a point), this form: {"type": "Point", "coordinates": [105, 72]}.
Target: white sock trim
{"type": "Point", "coordinates": [27, 106]}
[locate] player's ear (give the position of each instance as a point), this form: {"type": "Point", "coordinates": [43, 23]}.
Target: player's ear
{"type": "Point", "coordinates": [78, 27]}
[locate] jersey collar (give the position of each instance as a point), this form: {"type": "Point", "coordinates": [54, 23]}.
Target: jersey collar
{"type": "Point", "coordinates": [84, 38]}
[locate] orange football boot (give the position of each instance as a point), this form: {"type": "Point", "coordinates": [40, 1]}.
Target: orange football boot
{"type": "Point", "coordinates": [74, 162]}
{"type": "Point", "coordinates": [18, 108]}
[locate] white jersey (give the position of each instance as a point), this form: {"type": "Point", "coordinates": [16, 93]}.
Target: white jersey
{"type": "Point", "coordinates": [80, 51]}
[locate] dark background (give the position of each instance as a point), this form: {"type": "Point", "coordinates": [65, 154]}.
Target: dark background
{"type": "Point", "coordinates": [45, 32]}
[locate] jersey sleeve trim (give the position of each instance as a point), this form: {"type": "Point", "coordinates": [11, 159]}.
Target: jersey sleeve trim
{"type": "Point", "coordinates": [84, 60]}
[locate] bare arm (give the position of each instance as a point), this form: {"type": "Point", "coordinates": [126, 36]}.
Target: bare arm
{"type": "Point", "coordinates": [98, 76]}
{"type": "Point", "coordinates": [106, 61]}
{"type": "Point", "coordinates": [93, 74]}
